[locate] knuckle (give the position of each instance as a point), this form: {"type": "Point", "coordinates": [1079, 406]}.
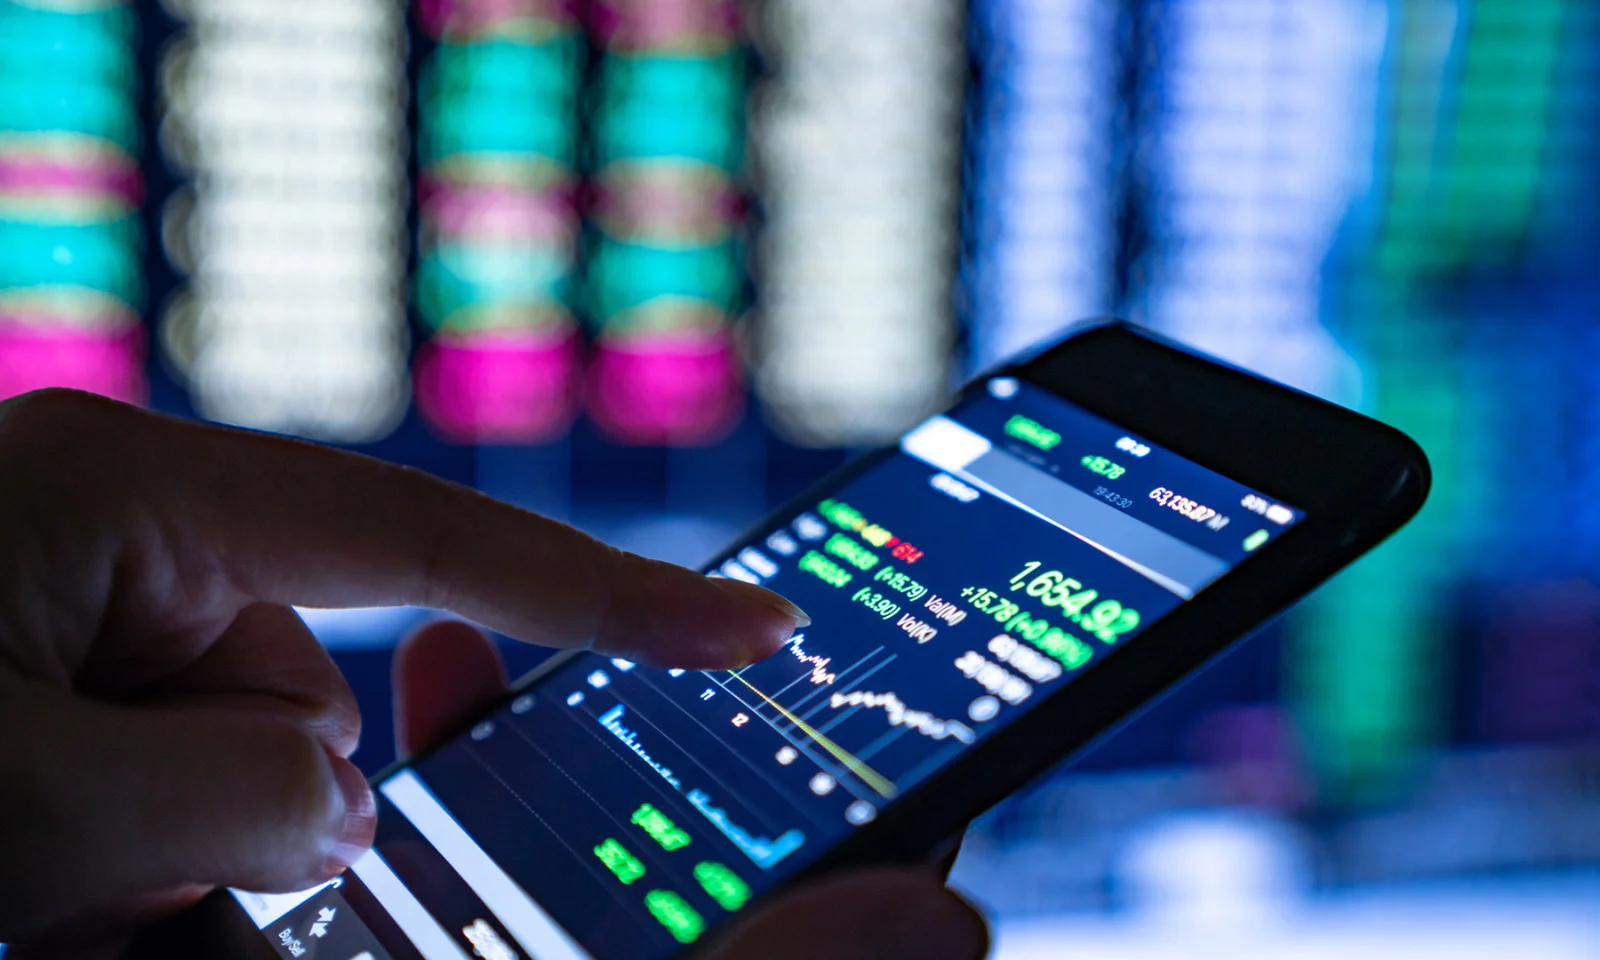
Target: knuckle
{"type": "Point", "coordinates": [54, 430]}
{"type": "Point", "coordinates": [334, 718]}
{"type": "Point", "coordinates": [300, 788]}
{"type": "Point", "coordinates": [54, 409]}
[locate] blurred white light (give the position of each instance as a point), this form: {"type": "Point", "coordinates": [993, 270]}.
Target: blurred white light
{"type": "Point", "coordinates": [362, 628]}
{"type": "Point", "coordinates": [1253, 157]}
{"type": "Point", "coordinates": [1043, 224]}
{"type": "Point", "coordinates": [858, 147]}
{"type": "Point", "coordinates": [290, 116]}
{"type": "Point", "coordinates": [1220, 871]}
{"type": "Point", "coordinates": [1004, 388]}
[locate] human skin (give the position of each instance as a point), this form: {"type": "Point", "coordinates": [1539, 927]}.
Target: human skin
{"type": "Point", "coordinates": [168, 724]}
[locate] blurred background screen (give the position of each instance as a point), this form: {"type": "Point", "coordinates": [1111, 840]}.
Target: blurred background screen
{"type": "Point", "coordinates": [652, 266]}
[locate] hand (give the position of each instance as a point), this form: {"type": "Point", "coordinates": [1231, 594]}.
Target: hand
{"type": "Point", "coordinates": [168, 724]}
{"type": "Point", "coordinates": [448, 673]}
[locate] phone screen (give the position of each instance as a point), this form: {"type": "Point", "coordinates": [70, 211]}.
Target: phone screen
{"type": "Point", "coordinates": [615, 811]}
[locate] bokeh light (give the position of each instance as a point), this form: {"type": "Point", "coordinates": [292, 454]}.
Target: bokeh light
{"type": "Point", "coordinates": [70, 239]}
{"type": "Point", "coordinates": [665, 276]}
{"type": "Point", "coordinates": [498, 198]}
{"type": "Point", "coordinates": [288, 120]}
{"type": "Point", "coordinates": [858, 134]}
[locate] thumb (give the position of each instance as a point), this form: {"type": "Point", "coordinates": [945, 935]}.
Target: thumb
{"type": "Point", "coordinates": [884, 914]}
{"type": "Point", "coordinates": [153, 800]}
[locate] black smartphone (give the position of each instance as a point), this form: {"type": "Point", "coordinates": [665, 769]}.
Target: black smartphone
{"type": "Point", "coordinates": [1073, 536]}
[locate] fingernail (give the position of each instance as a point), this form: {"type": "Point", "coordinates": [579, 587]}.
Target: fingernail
{"type": "Point", "coordinates": [940, 926]}
{"type": "Point", "coordinates": [360, 815]}
{"type": "Point", "coordinates": [764, 597]}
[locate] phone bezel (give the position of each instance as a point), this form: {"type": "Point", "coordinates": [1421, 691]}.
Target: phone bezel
{"type": "Point", "coordinates": [1263, 434]}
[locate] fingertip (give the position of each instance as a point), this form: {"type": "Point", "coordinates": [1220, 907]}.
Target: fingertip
{"type": "Point", "coordinates": [673, 617]}
{"type": "Point", "coordinates": [764, 598]}
{"type": "Point", "coordinates": [447, 643]}
{"type": "Point", "coordinates": [777, 621]}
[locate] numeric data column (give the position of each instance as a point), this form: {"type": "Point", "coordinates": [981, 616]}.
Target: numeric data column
{"type": "Point", "coordinates": [859, 135]}
{"type": "Point", "coordinates": [1250, 153]}
{"type": "Point", "coordinates": [665, 276]}
{"type": "Point", "coordinates": [498, 196]}
{"type": "Point", "coordinates": [1041, 235]}
{"type": "Point", "coordinates": [289, 117]}
{"type": "Point", "coordinates": [70, 189]}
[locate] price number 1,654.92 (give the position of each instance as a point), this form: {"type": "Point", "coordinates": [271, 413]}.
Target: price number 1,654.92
{"type": "Point", "coordinates": [1106, 619]}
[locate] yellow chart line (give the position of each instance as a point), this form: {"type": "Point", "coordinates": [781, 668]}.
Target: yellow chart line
{"type": "Point", "coordinates": [871, 777]}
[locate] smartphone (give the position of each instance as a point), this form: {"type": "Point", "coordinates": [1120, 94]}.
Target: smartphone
{"type": "Point", "coordinates": [1078, 532]}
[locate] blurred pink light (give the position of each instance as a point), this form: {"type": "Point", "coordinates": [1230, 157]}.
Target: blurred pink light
{"type": "Point", "coordinates": [499, 386]}
{"type": "Point", "coordinates": [654, 23]}
{"type": "Point", "coordinates": [659, 390]}
{"type": "Point", "coordinates": [32, 176]}
{"type": "Point", "coordinates": [437, 186]}
{"type": "Point", "coordinates": [500, 213]}
{"type": "Point", "coordinates": [469, 16]}
{"type": "Point", "coordinates": [637, 201]}
{"type": "Point", "coordinates": [108, 363]}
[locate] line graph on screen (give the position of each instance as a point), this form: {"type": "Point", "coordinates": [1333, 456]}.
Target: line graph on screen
{"type": "Point", "coordinates": [816, 661]}
{"type": "Point", "coordinates": [806, 705]}
{"type": "Point", "coordinates": [900, 715]}
{"type": "Point", "coordinates": [765, 852]}
{"type": "Point", "coordinates": [872, 778]}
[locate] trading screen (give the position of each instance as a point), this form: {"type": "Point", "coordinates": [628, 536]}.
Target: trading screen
{"type": "Point", "coordinates": [615, 810]}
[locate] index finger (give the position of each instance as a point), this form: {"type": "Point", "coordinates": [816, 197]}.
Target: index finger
{"type": "Point", "coordinates": [284, 521]}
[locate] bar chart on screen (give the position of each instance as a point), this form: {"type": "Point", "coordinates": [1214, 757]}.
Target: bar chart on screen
{"type": "Point", "coordinates": [635, 713]}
